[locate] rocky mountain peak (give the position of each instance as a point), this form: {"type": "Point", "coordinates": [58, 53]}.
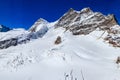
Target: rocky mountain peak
{"type": "Point", "coordinates": [38, 25]}
{"type": "Point", "coordinates": [41, 20]}
{"type": "Point", "coordinates": [86, 10]}
{"type": "Point", "coordinates": [67, 18]}
{"type": "Point", "coordinates": [113, 19]}
{"type": "Point", "coordinates": [70, 10]}
{"type": "Point", "coordinates": [85, 21]}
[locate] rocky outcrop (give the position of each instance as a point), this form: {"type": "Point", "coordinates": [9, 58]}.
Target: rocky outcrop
{"type": "Point", "coordinates": [58, 40]}
{"type": "Point", "coordinates": [113, 36]}
{"type": "Point", "coordinates": [8, 43]}
{"type": "Point", "coordinates": [118, 60]}
{"type": "Point", "coordinates": [85, 21]}
{"type": "Point", "coordinates": [21, 39]}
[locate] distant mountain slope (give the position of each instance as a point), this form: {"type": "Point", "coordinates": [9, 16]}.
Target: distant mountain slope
{"type": "Point", "coordinates": [4, 28]}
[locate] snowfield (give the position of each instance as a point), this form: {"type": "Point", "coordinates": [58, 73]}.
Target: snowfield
{"type": "Point", "coordinates": [77, 57]}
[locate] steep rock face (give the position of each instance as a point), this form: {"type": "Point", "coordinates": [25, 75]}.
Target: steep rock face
{"type": "Point", "coordinates": [8, 43]}
{"type": "Point", "coordinates": [4, 28]}
{"type": "Point", "coordinates": [85, 21]}
{"type": "Point", "coordinates": [113, 36]}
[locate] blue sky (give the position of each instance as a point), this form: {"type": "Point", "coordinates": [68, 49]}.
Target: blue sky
{"type": "Point", "coordinates": [23, 13]}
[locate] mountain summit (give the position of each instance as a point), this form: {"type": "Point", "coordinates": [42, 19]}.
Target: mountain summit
{"type": "Point", "coordinates": [85, 21]}
{"type": "Point", "coordinates": [39, 24]}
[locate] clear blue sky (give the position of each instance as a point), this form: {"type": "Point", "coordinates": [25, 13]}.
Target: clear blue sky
{"type": "Point", "coordinates": [23, 13]}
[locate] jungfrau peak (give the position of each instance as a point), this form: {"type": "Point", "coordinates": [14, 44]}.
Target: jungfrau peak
{"type": "Point", "coordinates": [85, 21]}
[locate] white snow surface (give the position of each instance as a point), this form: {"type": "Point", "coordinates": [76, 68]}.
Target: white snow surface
{"type": "Point", "coordinates": [12, 34]}
{"type": "Point", "coordinates": [87, 56]}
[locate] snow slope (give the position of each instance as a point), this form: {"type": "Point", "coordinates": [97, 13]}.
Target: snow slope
{"type": "Point", "coordinates": [89, 54]}
{"type": "Point", "coordinates": [77, 57]}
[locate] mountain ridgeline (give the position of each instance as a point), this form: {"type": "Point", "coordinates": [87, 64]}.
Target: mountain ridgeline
{"type": "Point", "coordinates": [85, 21]}
{"type": "Point", "coordinates": [4, 28]}
{"type": "Point", "coordinates": [77, 22]}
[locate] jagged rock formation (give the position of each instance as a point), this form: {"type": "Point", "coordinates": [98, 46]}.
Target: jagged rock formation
{"type": "Point", "coordinates": [8, 43]}
{"type": "Point", "coordinates": [85, 21]}
{"type": "Point", "coordinates": [113, 36]}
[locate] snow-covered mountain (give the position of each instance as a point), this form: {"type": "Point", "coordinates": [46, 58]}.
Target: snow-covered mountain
{"type": "Point", "coordinates": [81, 45]}
{"type": "Point", "coordinates": [39, 25]}
{"type": "Point", "coordinates": [4, 28]}
{"type": "Point", "coordinates": [21, 36]}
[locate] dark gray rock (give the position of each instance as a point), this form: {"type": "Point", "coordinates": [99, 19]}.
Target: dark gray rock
{"type": "Point", "coordinates": [8, 43]}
